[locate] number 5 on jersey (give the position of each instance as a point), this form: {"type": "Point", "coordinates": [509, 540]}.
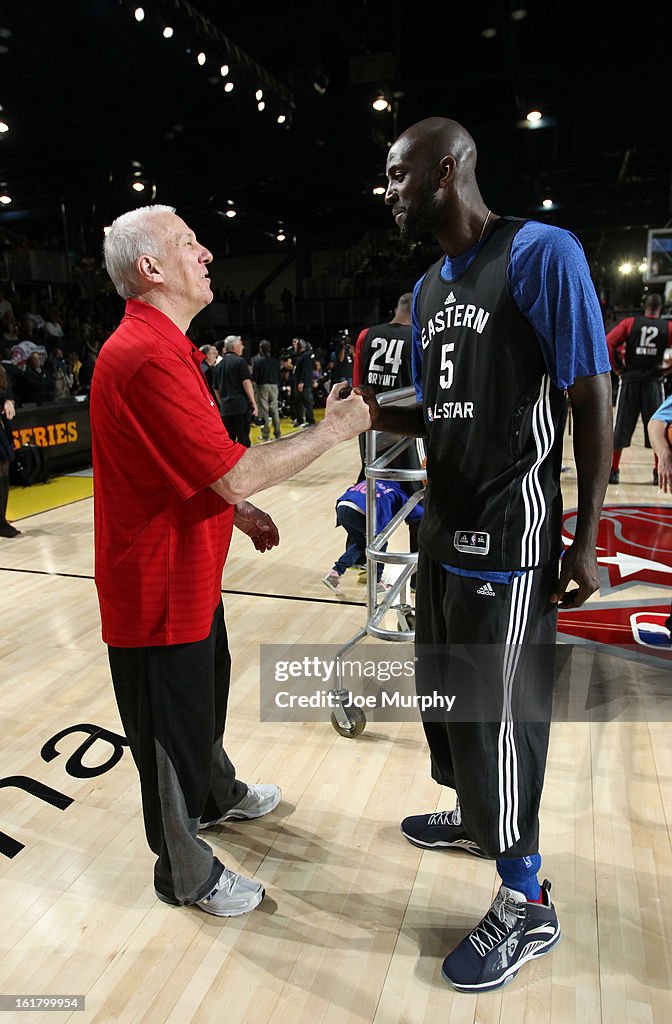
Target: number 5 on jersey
{"type": "Point", "coordinates": [446, 378]}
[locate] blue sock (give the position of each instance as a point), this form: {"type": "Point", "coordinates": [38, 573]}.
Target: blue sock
{"type": "Point", "coordinates": [520, 873]}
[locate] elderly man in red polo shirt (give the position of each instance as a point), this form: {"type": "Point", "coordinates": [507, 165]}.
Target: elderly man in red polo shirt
{"type": "Point", "coordinates": [169, 486]}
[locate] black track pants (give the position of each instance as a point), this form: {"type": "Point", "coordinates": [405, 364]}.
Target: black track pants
{"type": "Point", "coordinates": [493, 646]}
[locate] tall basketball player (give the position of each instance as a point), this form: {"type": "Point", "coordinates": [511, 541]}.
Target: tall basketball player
{"type": "Point", "coordinates": [505, 326]}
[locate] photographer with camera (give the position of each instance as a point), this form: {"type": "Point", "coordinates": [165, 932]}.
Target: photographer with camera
{"type": "Point", "coordinates": [341, 360]}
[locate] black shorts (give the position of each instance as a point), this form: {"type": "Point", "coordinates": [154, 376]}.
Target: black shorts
{"type": "Point", "coordinates": [635, 399]}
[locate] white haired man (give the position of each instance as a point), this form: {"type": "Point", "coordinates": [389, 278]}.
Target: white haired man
{"type": "Point", "coordinates": [170, 486]}
{"type": "Point", "coordinates": [233, 386]}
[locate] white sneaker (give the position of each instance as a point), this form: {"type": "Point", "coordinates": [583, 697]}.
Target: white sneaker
{"type": "Point", "coordinates": [232, 896]}
{"type": "Point", "coordinates": [333, 581]}
{"type": "Point", "coordinates": [259, 800]}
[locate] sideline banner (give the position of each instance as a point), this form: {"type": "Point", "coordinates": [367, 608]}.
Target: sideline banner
{"type": "Point", "coordinates": [62, 428]}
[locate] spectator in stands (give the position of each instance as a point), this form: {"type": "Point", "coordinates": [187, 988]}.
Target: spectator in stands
{"type": "Point", "coordinates": [9, 328]}
{"type": "Point", "coordinates": [6, 452]}
{"type": "Point", "coordinates": [32, 314]}
{"type": "Point", "coordinates": [53, 327]}
{"type": "Point", "coordinates": [74, 365]}
{"type": "Point", "coordinates": [37, 384]}
{"type": "Point", "coordinates": [5, 306]}
{"type": "Point", "coordinates": [266, 382]}
{"type": "Point", "coordinates": [61, 380]}
{"type": "Point", "coordinates": [28, 330]}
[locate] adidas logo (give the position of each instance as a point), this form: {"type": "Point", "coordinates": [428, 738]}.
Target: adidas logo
{"type": "Point", "coordinates": [450, 299]}
{"type": "Point", "coordinates": [486, 590]}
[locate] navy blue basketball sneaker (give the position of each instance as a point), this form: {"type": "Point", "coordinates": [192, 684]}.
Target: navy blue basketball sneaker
{"type": "Point", "coordinates": [512, 933]}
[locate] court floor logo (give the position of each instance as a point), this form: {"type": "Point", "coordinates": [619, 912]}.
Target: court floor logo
{"type": "Point", "coordinates": [633, 545]}
{"type": "Point", "coordinates": [633, 629]}
{"type": "Point", "coordinates": [633, 549]}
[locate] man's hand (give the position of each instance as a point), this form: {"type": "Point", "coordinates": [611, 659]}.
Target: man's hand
{"type": "Point", "coordinates": [8, 409]}
{"type": "Point", "coordinates": [258, 526]}
{"type": "Point", "coordinates": [580, 566]}
{"type": "Point", "coordinates": [349, 415]}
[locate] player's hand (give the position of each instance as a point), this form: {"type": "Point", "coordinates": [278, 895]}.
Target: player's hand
{"type": "Point", "coordinates": [580, 566]}
{"type": "Point", "coordinates": [369, 395]}
{"type": "Point", "coordinates": [258, 526]}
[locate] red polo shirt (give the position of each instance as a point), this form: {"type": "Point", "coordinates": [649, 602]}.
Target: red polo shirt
{"type": "Point", "coordinates": [161, 533]}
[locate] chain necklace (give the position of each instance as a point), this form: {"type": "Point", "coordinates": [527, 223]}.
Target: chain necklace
{"type": "Point", "coordinates": [485, 224]}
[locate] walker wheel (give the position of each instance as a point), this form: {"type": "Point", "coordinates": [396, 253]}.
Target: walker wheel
{"type": "Point", "coordinates": [357, 720]}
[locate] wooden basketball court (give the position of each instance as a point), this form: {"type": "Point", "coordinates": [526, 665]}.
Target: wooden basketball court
{"type": "Point", "coordinates": [356, 921]}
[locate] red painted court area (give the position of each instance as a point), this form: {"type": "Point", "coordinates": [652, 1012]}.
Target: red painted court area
{"type": "Point", "coordinates": [634, 547]}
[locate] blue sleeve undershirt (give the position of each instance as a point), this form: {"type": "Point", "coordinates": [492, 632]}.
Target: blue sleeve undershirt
{"type": "Point", "coordinates": [664, 412]}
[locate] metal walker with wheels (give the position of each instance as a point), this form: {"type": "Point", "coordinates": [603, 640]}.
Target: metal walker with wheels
{"type": "Point", "coordinates": [350, 721]}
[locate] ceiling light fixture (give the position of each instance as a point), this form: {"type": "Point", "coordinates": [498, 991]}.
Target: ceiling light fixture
{"type": "Point", "coordinates": [547, 204]}
{"type": "Point", "coordinates": [167, 32]}
{"type": "Point", "coordinates": [380, 102]}
{"type": "Point", "coordinates": [5, 200]}
{"type": "Point", "coordinates": [625, 268]}
{"type": "Point", "coordinates": [534, 116]}
{"type": "Point", "coordinates": [518, 13]}
{"type": "Point", "coordinates": [201, 58]}
{"type": "Point", "coordinates": [379, 190]}
{"type": "Point", "coordinates": [489, 32]}
{"type": "Point", "coordinates": [224, 70]}
{"type": "Point", "coordinates": [138, 186]}
{"type": "Point", "coordinates": [230, 213]}
{"type": "Point", "coordinates": [139, 14]}
{"type": "Point", "coordinates": [4, 127]}
{"type": "Point", "coordinates": [228, 87]}
{"type": "Point", "coordinates": [261, 105]}
{"type": "Point", "coordinates": [281, 236]}
{"type": "Point", "coordinates": [281, 118]}
{"type": "Point", "coordinates": [259, 95]}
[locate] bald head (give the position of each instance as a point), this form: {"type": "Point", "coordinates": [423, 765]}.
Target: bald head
{"type": "Point", "coordinates": [432, 187]}
{"type": "Point", "coordinates": [436, 137]}
{"type": "Point", "coordinates": [402, 311]}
